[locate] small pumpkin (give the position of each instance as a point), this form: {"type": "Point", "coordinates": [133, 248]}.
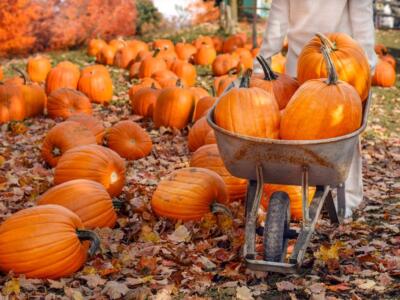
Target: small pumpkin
{"type": "Point", "coordinates": [92, 162]}
{"type": "Point", "coordinates": [106, 55]}
{"type": "Point", "coordinates": [203, 40]}
{"type": "Point", "coordinates": [61, 77]}
{"type": "Point", "coordinates": [144, 100]}
{"type": "Point", "coordinates": [205, 55]}
{"type": "Point", "coordinates": [278, 63]}
{"type": "Point", "coordinates": [117, 43]}
{"type": "Point", "coordinates": [150, 65]}
{"type": "Point", "coordinates": [169, 56]}
{"type": "Point", "coordinates": [189, 194]}
{"type": "Point", "coordinates": [90, 122]}
{"type": "Point", "coordinates": [380, 49]}
{"type": "Point", "coordinates": [390, 59]}
{"type": "Point", "coordinates": [144, 82]}
{"type": "Point", "coordinates": [208, 157]}
{"type": "Point", "coordinates": [198, 93]}
{"type": "Point", "coordinates": [46, 241]}
{"type": "Point", "coordinates": [37, 68]}
{"type": "Point", "coordinates": [137, 46]}
{"type": "Point", "coordinates": [184, 51]}
{"type": "Point", "coordinates": [198, 133]}
{"type": "Point", "coordinates": [384, 75]}
{"type": "Point", "coordinates": [232, 43]}
{"type": "Point", "coordinates": [129, 140]}
{"type": "Point", "coordinates": [94, 46]}
{"type": "Point", "coordinates": [202, 106]}
{"type": "Point", "coordinates": [88, 199]}
{"type": "Point", "coordinates": [245, 58]}
{"type": "Point", "coordinates": [185, 71]}
{"type": "Point", "coordinates": [218, 43]}
{"type": "Point", "coordinates": [163, 44]}
{"type": "Point", "coordinates": [62, 137]}
{"type": "Point", "coordinates": [12, 103]}
{"type": "Point", "coordinates": [64, 102]}
{"type": "Point", "coordinates": [124, 57]}
{"type": "Point", "coordinates": [96, 83]}
{"type": "Point", "coordinates": [165, 78]}
{"type": "Point", "coordinates": [224, 64]}
{"type": "Point", "coordinates": [134, 70]}
{"type": "Point", "coordinates": [35, 99]}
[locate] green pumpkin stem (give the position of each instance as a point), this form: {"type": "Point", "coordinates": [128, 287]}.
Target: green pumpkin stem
{"type": "Point", "coordinates": [245, 81]}
{"type": "Point", "coordinates": [268, 73]}
{"type": "Point", "coordinates": [326, 42]}
{"type": "Point", "coordinates": [220, 208]}
{"type": "Point", "coordinates": [332, 74]}
{"type": "Point", "coordinates": [87, 235]}
{"type": "Point", "coordinates": [156, 51]}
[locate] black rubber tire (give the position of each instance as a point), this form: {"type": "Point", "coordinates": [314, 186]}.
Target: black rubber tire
{"type": "Point", "coordinates": [277, 224]}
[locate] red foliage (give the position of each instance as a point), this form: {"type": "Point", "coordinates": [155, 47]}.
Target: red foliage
{"type": "Point", "coordinates": [37, 25]}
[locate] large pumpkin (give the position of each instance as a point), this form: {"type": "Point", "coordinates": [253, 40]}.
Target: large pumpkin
{"type": "Point", "coordinates": [96, 83]}
{"type": "Point", "coordinates": [208, 157]}
{"type": "Point", "coordinates": [46, 241]}
{"type": "Point", "coordinates": [202, 106]}
{"type": "Point", "coordinates": [92, 162]}
{"type": "Point", "coordinates": [322, 108]}
{"type": "Point", "coordinates": [64, 102]}
{"type": "Point", "coordinates": [173, 107]}
{"type": "Point", "coordinates": [70, 65]}
{"type": "Point", "coordinates": [61, 77]}
{"type": "Point", "coordinates": [347, 56]}
{"type": "Point", "coordinates": [92, 123]}
{"type": "Point", "coordinates": [129, 140]}
{"type": "Point", "coordinates": [248, 111]}
{"type": "Point", "coordinates": [188, 194]}
{"type": "Point", "coordinates": [12, 104]}
{"type": "Point", "coordinates": [62, 137]}
{"type": "Point", "coordinates": [38, 67]}
{"type": "Point", "coordinates": [385, 74]}
{"type": "Point", "coordinates": [198, 133]}
{"type": "Point", "coordinates": [295, 196]}
{"type": "Point", "coordinates": [281, 85]}
{"type": "Point", "coordinates": [88, 199]}
{"type": "Point", "coordinates": [144, 100]}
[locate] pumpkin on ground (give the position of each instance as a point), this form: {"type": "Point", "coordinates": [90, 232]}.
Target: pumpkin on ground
{"type": "Point", "coordinates": [96, 83]}
{"type": "Point", "coordinates": [347, 56]}
{"type": "Point", "coordinates": [46, 241]}
{"type": "Point", "coordinates": [1, 73]}
{"type": "Point", "coordinates": [62, 137]}
{"type": "Point", "coordinates": [144, 100]}
{"type": "Point", "coordinates": [184, 51]}
{"type": "Point", "coordinates": [245, 58]}
{"type": "Point", "coordinates": [35, 99]}
{"type": "Point", "coordinates": [225, 63]}
{"type": "Point", "coordinates": [129, 140]}
{"type": "Point", "coordinates": [106, 55]}
{"type": "Point", "coordinates": [12, 104]}
{"type": "Point", "coordinates": [165, 78]}
{"type": "Point", "coordinates": [198, 133]}
{"type": "Point", "coordinates": [163, 44]}
{"type": "Point", "coordinates": [94, 46]}
{"type": "Point", "coordinates": [218, 43]}
{"type": "Point", "coordinates": [208, 157]}
{"type": "Point", "coordinates": [221, 83]}
{"type": "Point", "coordinates": [124, 57]}
{"type": "Point", "coordinates": [232, 43]}
{"type": "Point", "coordinates": [64, 102]}
{"type": "Point", "coordinates": [203, 40]}
{"type": "Point", "coordinates": [322, 108]}
{"type": "Point", "coordinates": [189, 194]}
{"type": "Point", "coordinates": [70, 65]}
{"type": "Point", "coordinates": [390, 59]}
{"type": "Point", "coordinates": [278, 63]}
{"type": "Point", "coordinates": [92, 162]}
{"type": "Point", "coordinates": [295, 196]}
{"type": "Point", "coordinates": [61, 77]}
{"type": "Point", "coordinates": [144, 82]}
{"type": "Point", "coordinates": [202, 106]}
{"type": "Point", "coordinates": [185, 71]}
{"type": "Point", "coordinates": [205, 55]}
{"type": "Point", "coordinates": [37, 68]}
{"type": "Point", "coordinates": [92, 123]}
{"type": "Point", "coordinates": [117, 43]}
{"type": "Point", "coordinates": [88, 199]}
{"type": "Point", "coordinates": [210, 138]}
{"type": "Point", "coordinates": [248, 111]}
{"type": "Point", "coordinates": [150, 65]}
{"type": "Point", "coordinates": [281, 85]}
{"type": "Point", "coordinates": [385, 74]}
{"type": "Point", "coordinates": [198, 93]}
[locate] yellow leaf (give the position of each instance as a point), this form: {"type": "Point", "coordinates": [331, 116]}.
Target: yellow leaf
{"type": "Point", "coordinates": [89, 270]}
{"type": "Point", "coordinates": [327, 253]}
{"type": "Point", "coordinates": [11, 286]}
{"type": "Point", "coordinates": [148, 235]}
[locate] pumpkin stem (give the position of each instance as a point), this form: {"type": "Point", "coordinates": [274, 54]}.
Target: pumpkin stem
{"type": "Point", "coordinates": [213, 91]}
{"type": "Point", "coordinates": [220, 208]}
{"type": "Point", "coordinates": [245, 81]}
{"type": "Point", "coordinates": [268, 73]}
{"type": "Point", "coordinates": [56, 151]}
{"type": "Point", "coordinates": [21, 73]}
{"type": "Point", "coordinates": [179, 83]}
{"type": "Point", "coordinates": [332, 74]}
{"type": "Point", "coordinates": [117, 204]}
{"type": "Point", "coordinates": [87, 235]}
{"type": "Point", "coordinates": [156, 51]}
{"type": "Point", "coordinates": [153, 86]}
{"type": "Point", "coordinates": [325, 41]}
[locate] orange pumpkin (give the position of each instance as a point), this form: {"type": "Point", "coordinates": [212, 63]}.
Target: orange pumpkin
{"type": "Point", "coordinates": [203, 40]}
{"type": "Point", "coordinates": [144, 100]}
{"type": "Point", "coordinates": [184, 51]}
{"type": "Point", "coordinates": [90, 122]}
{"type": "Point", "coordinates": [61, 77]}
{"type": "Point", "coordinates": [35, 99]}
{"type": "Point", "coordinates": [94, 46]}
{"type": "Point", "coordinates": [210, 138]}
{"type": "Point", "coordinates": [322, 108]}
{"type": "Point", "coordinates": [198, 133]}
{"type": "Point", "coordinates": [380, 49]}
{"type": "Point", "coordinates": [222, 82]}
{"type": "Point", "coordinates": [129, 140]}
{"type": "Point", "coordinates": [205, 55]}
{"type": "Point", "coordinates": [198, 93]}
{"type": "Point", "coordinates": [165, 78]}
{"type": "Point", "coordinates": [134, 70]}
{"type": "Point", "coordinates": [185, 71]}
{"type": "Point", "coordinates": [278, 63]}
{"type": "Point", "coordinates": [62, 137]}
{"type": "Point", "coordinates": [173, 107]}
{"type": "Point", "coordinates": [295, 196]}
{"type": "Point", "coordinates": [384, 75]}
{"type": "Point", "coordinates": [224, 64]}
{"type": "Point", "coordinates": [232, 43]}
{"type": "Point", "coordinates": [281, 85]}
{"type": "Point", "coordinates": [208, 157]}
{"type": "Point", "coordinates": [124, 57]}
{"type": "Point", "coordinates": [218, 43]}
{"type": "Point", "coordinates": [38, 67]}
{"type": "Point", "coordinates": [137, 45]}
{"type": "Point", "coordinates": [70, 65]}
{"type": "Point", "coordinates": [12, 104]}
{"type": "Point", "coordinates": [169, 56]}
{"type": "Point", "coordinates": [245, 58]}
{"type": "Point", "coordinates": [390, 59]}
{"type": "Point", "coordinates": [117, 43]}
{"type": "Point", "coordinates": [96, 83]}
{"type": "Point", "coordinates": [92, 162]}
{"type": "Point", "coordinates": [1, 73]}
{"type": "Point", "coordinates": [248, 111]}
{"type": "Point", "coordinates": [106, 55]}
{"type": "Point", "coordinates": [88, 199]}
{"type": "Point", "coordinates": [64, 102]}
{"type": "Point", "coordinates": [150, 65]}
{"type": "Point", "coordinates": [163, 44]}
{"type": "Point", "coordinates": [188, 194]}
{"type": "Point", "coordinates": [144, 82]}
{"type": "Point", "coordinates": [202, 106]}
{"type": "Point", "coordinates": [46, 241]}
{"type": "Point", "coordinates": [347, 56]}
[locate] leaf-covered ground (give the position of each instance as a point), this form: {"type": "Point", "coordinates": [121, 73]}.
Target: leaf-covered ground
{"type": "Point", "coordinates": [145, 257]}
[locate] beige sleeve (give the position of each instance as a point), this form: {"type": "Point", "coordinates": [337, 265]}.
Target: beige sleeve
{"type": "Point", "coordinates": [275, 32]}
{"type": "Point", "coordinates": [362, 25]}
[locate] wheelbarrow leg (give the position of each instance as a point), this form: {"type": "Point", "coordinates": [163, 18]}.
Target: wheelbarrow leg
{"type": "Point", "coordinates": [329, 206]}
{"type": "Point", "coordinates": [341, 201]}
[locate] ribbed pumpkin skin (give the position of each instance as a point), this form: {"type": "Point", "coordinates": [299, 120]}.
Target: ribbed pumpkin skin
{"type": "Point", "coordinates": [295, 196]}
{"type": "Point", "coordinates": [12, 104]}
{"type": "Point", "coordinates": [249, 111]}
{"type": "Point", "coordinates": [198, 133]}
{"type": "Point", "coordinates": [202, 106]}
{"type": "Point", "coordinates": [208, 157]}
{"type": "Point", "coordinates": [129, 140]}
{"type": "Point", "coordinates": [144, 101]}
{"type": "Point", "coordinates": [87, 198]}
{"type": "Point", "coordinates": [70, 65]}
{"type": "Point", "coordinates": [173, 108]}
{"type": "Point", "coordinates": [319, 111]}
{"type": "Point", "coordinates": [385, 75]}
{"type": "Point", "coordinates": [62, 137]}
{"type": "Point", "coordinates": [35, 100]}
{"type": "Point", "coordinates": [92, 162]}
{"type": "Point", "coordinates": [185, 71]}
{"type": "Point", "coordinates": [150, 65]}
{"type": "Point", "coordinates": [41, 242]}
{"type": "Point", "coordinates": [165, 78]}
{"type": "Point", "coordinates": [64, 102]}
{"type": "Point", "coordinates": [94, 124]}
{"type": "Point", "coordinates": [187, 194]}
{"type": "Point", "coordinates": [210, 138]}
{"type": "Point", "coordinates": [222, 82]}
{"type": "Point", "coordinates": [97, 85]}
{"type": "Point", "coordinates": [38, 67]}
{"type": "Point", "coordinates": [1, 73]}
{"type": "Point", "coordinates": [348, 58]}
{"type": "Point", "coordinates": [61, 77]}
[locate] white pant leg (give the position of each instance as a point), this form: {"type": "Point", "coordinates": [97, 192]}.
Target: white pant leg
{"type": "Point", "coordinates": [354, 184]}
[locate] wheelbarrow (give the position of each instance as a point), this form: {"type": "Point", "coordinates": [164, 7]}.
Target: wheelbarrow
{"type": "Point", "coordinates": [321, 163]}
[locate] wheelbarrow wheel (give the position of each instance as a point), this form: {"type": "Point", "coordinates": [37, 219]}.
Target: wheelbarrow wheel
{"type": "Point", "coordinates": [276, 226]}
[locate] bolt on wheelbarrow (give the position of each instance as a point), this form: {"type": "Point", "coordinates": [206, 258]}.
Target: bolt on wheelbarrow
{"type": "Point", "coordinates": [321, 163]}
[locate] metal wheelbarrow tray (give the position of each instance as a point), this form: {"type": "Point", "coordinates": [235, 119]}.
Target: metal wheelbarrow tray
{"type": "Point", "coordinates": [321, 163]}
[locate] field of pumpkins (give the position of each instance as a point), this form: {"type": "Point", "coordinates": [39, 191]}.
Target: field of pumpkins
{"type": "Point", "coordinates": [112, 184]}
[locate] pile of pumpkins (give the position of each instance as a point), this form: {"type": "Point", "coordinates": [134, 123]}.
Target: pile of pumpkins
{"type": "Point", "coordinates": [89, 160]}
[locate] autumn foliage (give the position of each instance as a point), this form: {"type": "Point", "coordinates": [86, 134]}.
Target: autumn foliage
{"type": "Point", "coordinates": [33, 25]}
